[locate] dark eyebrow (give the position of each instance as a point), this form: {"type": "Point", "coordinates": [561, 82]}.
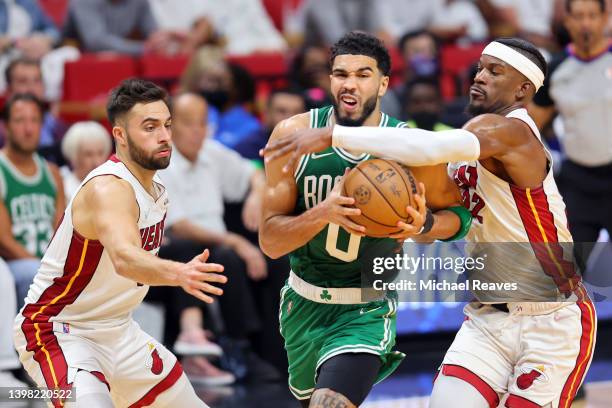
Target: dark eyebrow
{"type": "Point", "coordinates": [145, 120]}
{"type": "Point", "coordinates": [341, 70]}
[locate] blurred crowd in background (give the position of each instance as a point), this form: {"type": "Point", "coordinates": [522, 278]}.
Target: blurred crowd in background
{"type": "Point", "coordinates": [235, 69]}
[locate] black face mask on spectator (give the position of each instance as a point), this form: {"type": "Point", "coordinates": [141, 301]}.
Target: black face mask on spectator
{"type": "Point", "coordinates": [217, 99]}
{"type": "Point", "coordinates": [425, 120]}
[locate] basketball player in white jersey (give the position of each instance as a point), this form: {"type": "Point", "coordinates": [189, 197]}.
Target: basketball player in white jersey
{"type": "Point", "coordinates": [76, 331]}
{"type": "Point", "coordinates": [516, 350]}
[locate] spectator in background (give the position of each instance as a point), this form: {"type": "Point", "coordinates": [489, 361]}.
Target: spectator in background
{"type": "Point", "coordinates": [423, 104]}
{"type": "Point", "coordinates": [447, 19]}
{"type": "Point", "coordinates": [282, 104]}
{"type": "Point", "coordinates": [85, 146]}
{"type": "Point", "coordinates": [421, 54]}
{"type": "Point", "coordinates": [8, 304]}
{"type": "Point", "coordinates": [323, 22]}
{"type": "Point", "coordinates": [243, 26]}
{"type": "Point", "coordinates": [202, 175]}
{"type": "Point", "coordinates": [228, 89]}
{"type": "Point", "coordinates": [123, 26]}
{"type": "Point", "coordinates": [310, 72]}
{"type": "Point", "coordinates": [31, 190]}
{"type": "Point", "coordinates": [25, 31]}
{"type": "Point", "coordinates": [24, 75]}
{"type": "Point", "coordinates": [578, 87]}
{"type": "Point", "coordinates": [531, 20]}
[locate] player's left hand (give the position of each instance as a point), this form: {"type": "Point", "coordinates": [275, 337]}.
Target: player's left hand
{"type": "Point", "coordinates": [251, 211]}
{"type": "Point", "coordinates": [418, 215]}
{"type": "Point", "coordinates": [298, 143]}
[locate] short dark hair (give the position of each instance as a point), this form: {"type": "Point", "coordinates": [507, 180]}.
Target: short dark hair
{"type": "Point", "coordinates": [8, 72]}
{"type": "Point", "coordinates": [289, 91]}
{"type": "Point", "coordinates": [526, 49]}
{"type": "Point", "coordinates": [568, 5]}
{"type": "Point", "coordinates": [414, 34]}
{"type": "Point", "coordinates": [131, 92]}
{"type": "Point", "coordinates": [360, 43]}
{"type": "Point", "coordinates": [23, 97]}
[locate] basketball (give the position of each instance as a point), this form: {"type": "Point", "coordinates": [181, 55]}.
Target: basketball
{"type": "Point", "coordinates": [382, 190]}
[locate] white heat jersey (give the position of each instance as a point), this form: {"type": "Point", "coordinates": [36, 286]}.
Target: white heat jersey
{"type": "Point", "coordinates": [77, 283]}
{"type": "Point", "coordinates": [523, 231]}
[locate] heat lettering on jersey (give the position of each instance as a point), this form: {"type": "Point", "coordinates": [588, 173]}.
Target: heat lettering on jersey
{"type": "Point", "coordinates": [466, 178]}
{"type": "Point", "coordinates": [151, 237]}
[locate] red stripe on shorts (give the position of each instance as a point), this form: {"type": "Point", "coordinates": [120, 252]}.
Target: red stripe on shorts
{"type": "Point", "coordinates": [475, 381]}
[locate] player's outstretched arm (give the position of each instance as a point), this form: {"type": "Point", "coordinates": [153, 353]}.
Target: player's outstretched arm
{"type": "Point", "coordinates": [508, 140]}
{"type": "Point", "coordinates": [107, 211]}
{"type": "Point", "coordinates": [280, 231]}
{"type": "Point", "coordinates": [413, 147]}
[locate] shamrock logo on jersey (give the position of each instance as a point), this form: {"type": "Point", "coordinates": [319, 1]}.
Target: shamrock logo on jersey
{"type": "Point", "coordinates": [325, 295]}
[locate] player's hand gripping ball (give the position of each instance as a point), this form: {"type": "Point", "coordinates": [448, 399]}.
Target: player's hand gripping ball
{"type": "Point", "coordinates": [382, 190]}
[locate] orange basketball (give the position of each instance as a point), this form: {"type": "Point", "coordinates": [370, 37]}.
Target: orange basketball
{"type": "Point", "coordinates": [382, 190]}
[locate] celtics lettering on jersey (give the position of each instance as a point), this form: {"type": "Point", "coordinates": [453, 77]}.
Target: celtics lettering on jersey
{"type": "Point", "coordinates": [331, 258]}
{"type": "Point", "coordinates": [30, 202]}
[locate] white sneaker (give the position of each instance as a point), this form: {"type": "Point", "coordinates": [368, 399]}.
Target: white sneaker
{"type": "Point", "coordinates": [8, 380]}
{"type": "Point", "coordinates": [208, 348]}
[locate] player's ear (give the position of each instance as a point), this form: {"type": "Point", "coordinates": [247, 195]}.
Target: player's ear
{"type": "Point", "coordinates": [523, 90]}
{"type": "Point", "coordinates": [384, 84]}
{"type": "Point", "coordinates": [119, 135]}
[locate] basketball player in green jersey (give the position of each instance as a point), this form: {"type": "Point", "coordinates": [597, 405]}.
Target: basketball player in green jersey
{"type": "Point", "coordinates": [337, 345]}
{"type": "Point", "coordinates": [31, 193]}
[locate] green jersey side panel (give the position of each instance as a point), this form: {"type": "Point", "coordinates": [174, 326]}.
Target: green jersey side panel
{"type": "Point", "coordinates": [332, 258]}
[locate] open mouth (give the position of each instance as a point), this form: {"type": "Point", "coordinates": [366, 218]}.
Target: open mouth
{"type": "Point", "coordinates": [349, 102]}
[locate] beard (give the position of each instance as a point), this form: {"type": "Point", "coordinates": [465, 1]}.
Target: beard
{"type": "Point", "coordinates": [481, 108]}
{"type": "Point", "coordinates": [21, 149]}
{"type": "Point", "coordinates": [368, 108]}
{"type": "Point", "coordinates": [147, 161]}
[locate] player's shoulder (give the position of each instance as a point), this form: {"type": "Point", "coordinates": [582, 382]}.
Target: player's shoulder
{"type": "Point", "coordinates": [108, 186]}
{"type": "Point", "coordinates": [494, 123]}
{"type": "Point", "coordinates": [287, 126]}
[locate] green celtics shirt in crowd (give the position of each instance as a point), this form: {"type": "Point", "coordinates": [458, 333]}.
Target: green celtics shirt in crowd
{"type": "Point", "coordinates": [30, 202]}
{"type": "Point", "coordinates": [332, 258]}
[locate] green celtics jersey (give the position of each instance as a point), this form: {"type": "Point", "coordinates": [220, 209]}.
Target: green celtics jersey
{"type": "Point", "coordinates": [332, 258]}
{"type": "Point", "coordinates": [30, 202]}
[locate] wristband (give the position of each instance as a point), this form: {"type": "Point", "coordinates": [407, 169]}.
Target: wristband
{"type": "Point", "coordinates": [466, 222]}
{"type": "Point", "coordinates": [429, 222]}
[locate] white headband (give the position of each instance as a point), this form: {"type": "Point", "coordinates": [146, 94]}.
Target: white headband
{"type": "Point", "coordinates": [517, 60]}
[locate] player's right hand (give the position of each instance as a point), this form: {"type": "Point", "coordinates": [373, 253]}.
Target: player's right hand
{"type": "Point", "coordinates": [195, 276]}
{"type": "Point", "coordinates": [336, 209]}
